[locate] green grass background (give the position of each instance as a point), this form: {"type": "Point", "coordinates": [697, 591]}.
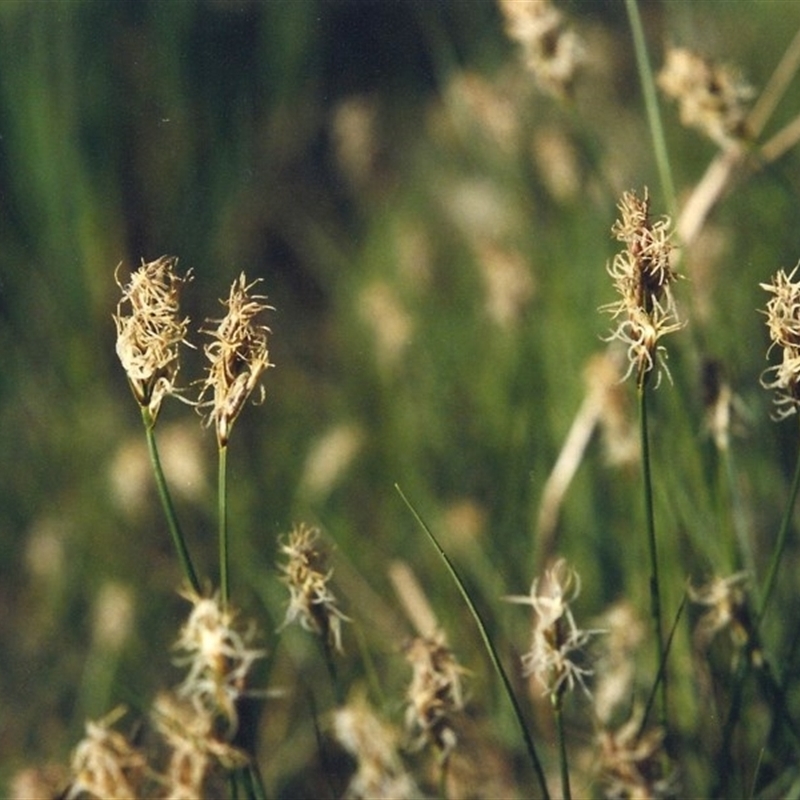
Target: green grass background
{"type": "Point", "coordinates": [208, 130]}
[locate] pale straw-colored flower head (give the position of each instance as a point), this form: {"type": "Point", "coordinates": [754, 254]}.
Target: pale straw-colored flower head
{"type": "Point", "coordinates": [557, 641]}
{"type": "Point", "coordinates": [238, 356]}
{"type": "Point", "coordinates": [311, 601]}
{"type": "Point", "coordinates": [104, 764]}
{"type": "Point", "coordinates": [642, 276]}
{"type": "Point", "coordinates": [435, 694]}
{"type": "Point", "coordinates": [552, 51]}
{"type": "Point", "coordinates": [632, 762]}
{"type": "Point", "coordinates": [380, 771]}
{"type": "Point", "coordinates": [219, 658]}
{"type": "Point", "coordinates": [150, 330]}
{"type": "Point", "coordinates": [783, 322]}
{"type": "Point", "coordinates": [195, 753]}
{"type": "Point", "coordinates": [725, 603]}
{"type": "Point", "coordinates": [711, 97]}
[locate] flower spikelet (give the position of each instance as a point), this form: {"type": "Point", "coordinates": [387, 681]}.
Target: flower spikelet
{"type": "Point", "coordinates": [194, 749]}
{"type": "Point", "coordinates": [556, 637]}
{"type": "Point", "coordinates": [149, 330]}
{"type": "Point", "coordinates": [435, 693]}
{"type": "Point", "coordinates": [711, 97]}
{"type": "Point", "coordinates": [783, 322]}
{"type": "Point", "coordinates": [553, 52]}
{"type": "Point", "coordinates": [642, 276]}
{"type": "Point", "coordinates": [311, 602]}
{"type": "Point", "coordinates": [725, 601]}
{"type": "Point", "coordinates": [104, 764]}
{"type": "Point", "coordinates": [380, 771]}
{"type": "Point", "coordinates": [632, 761]}
{"type": "Point", "coordinates": [238, 355]}
{"type": "Point", "coordinates": [219, 658]}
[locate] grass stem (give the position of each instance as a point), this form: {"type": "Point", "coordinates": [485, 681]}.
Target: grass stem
{"type": "Point", "coordinates": [222, 488]}
{"type": "Point", "coordinates": [490, 648]}
{"type": "Point", "coordinates": [562, 747]}
{"type": "Point", "coordinates": [651, 105]}
{"type": "Point", "coordinates": [655, 589]}
{"type": "Point", "coordinates": [780, 544]}
{"type": "Point", "coordinates": [166, 502]}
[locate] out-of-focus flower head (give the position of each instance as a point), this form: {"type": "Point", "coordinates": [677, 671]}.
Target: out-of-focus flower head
{"type": "Point", "coordinates": [380, 771]}
{"type": "Point", "coordinates": [557, 640]}
{"type": "Point", "coordinates": [104, 764]}
{"type": "Point", "coordinates": [552, 50]}
{"type": "Point", "coordinates": [219, 660]}
{"type": "Point", "coordinates": [311, 602]}
{"type": "Point", "coordinates": [711, 97]}
{"type": "Point", "coordinates": [435, 693]}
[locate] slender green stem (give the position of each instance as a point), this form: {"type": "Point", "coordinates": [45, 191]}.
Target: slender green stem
{"type": "Point", "coordinates": [562, 746]}
{"type": "Point", "coordinates": [222, 488]}
{"type": "Point", "coordinates": [166, 502]}
{"type": "Point", "coordinates": [746, 662]}
{"type": "Point", "coordinates": [488, 644]}
{"type": "Point", "coordinates": [651, 105]}
{"type": "Point", "coordinates": [655, 589]}
{"type": "Point", "coordinates": [780, 545]}
{"type": "Point", "coordinates": [443, 778]}
{"type": "Point", "coordinates": [253, 782]}
{"type": "Point", "coordinates": [330, 664]}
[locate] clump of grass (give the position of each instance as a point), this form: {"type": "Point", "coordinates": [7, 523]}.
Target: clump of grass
{"type": "Point", "coordinates": [201, 738]}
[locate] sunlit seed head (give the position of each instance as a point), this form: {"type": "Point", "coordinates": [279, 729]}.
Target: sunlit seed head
{"type": "Point", "coordinates": [238, 356]}
{"type": "Point", "coordinates": [642, 276]}
{"type": "Point", "coordinates": [150, 330]}
{"type": "Point", "coordinates": [783, 323]}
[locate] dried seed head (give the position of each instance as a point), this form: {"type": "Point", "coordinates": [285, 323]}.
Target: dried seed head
{"type": "Point", "coordinates": [219, 660]}
{"type": "Point", "coordinates": [726, 602]}
{"type": "Point", "coordinates": [238, 356]}
{"type": "Point", "coordinates": [194, 749]}
{"type": "Point", "coordinates": [642, 276]}
{"type": "Point", "coordinates": [380, 771]}
{"type": "Point", "coordinates": [783, 322]}
{"type": "Point", "coordinates": [311, 601]}
{"type": "Point", "coordinates": [711, 97]}
{"type": "Point", "coordinates": [556, 637]}
{"type": "Point", "coordinates": [631, 761]}
{"type": "Point", "coordinates": [553, 52]}
{"type": "Point", "coordinates": [105, 764]}
{"type": "Point", "coordinates": [435, 693]}
{"type": "Point", "coordinates": [149, 330]}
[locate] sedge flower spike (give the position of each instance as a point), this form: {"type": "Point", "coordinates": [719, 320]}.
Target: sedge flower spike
{"type": "Point", "coordinates": [553, 52]}
{"type": "Point", "coordinates": [238, 357]}
{"type": "Point", "coordinates": [712, 98]}
{"type": "Point", "coordinates": [556, 640]}
{"type": "Point", "coordinates": [150, 329]}
{"type": "Point", "coordinates": [219, 659]}
{"type": "Point", "coordinates": [311, 601]}
{"type": "Point", "coordinates": [642, 276]}
{"type": "Point", "coordinates": [105, 764]}
{"type": "Point", "coordinates": [783, 322]}
{"type": "Point", "coordinates": [435, 694]}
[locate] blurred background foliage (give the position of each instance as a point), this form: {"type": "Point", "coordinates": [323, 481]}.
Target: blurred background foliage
{"type": "Point", "coordinates": [433, 233]}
